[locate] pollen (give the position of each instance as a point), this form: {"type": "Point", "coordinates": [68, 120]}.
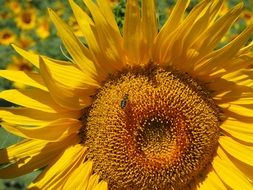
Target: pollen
{"type": "Point", "coordinates": [151, 128]}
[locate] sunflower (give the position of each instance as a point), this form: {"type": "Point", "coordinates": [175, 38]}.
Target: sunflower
{"type": "Point", "coordinates": [7, 36]}
{"type": "Point", "coordinates": [13, 5]}
{"type": "Point", "coordinates": [145, 109]}
{"type": "Point", "coordinates": [43, 28]}
{"type": "Point", "coordinates": [26, 19]}
{"type": "Point", "coordinates": [247, 16]}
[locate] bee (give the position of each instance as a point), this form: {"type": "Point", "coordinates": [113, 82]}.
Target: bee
{"type": "Point", "coordinates": [123, 102]}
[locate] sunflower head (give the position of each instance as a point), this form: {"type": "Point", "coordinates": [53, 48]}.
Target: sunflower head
{"type": "Point", "coordinates": [247, 16]}
{"type": "Point", "coordinates": [26, 19]}
{"type": "Point", "coordinates": [140, 125]}
{"type": "Point", "coordinates": [7, 36]}
{"type": "Point", "coordinates": [43, 28]}
{"type": "Point", "coordinates": [14, 6]}
{"type": "Point", "coordinates": [147, 108]}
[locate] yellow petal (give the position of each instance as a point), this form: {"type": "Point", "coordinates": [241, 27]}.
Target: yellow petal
{"type": "Point", "coordinates": [247, 48]}
{"type": "Point", "coordinates": [32, 98]}
{"type": "Point", "coordinates": [86, 24]}
{"type": "Point", "coordinates": [209, 39]}
{"type": "Point", "coordinates": [237, 100]}
{"type": "Point", "coordinates": [27, 165]}
{"type": "Point", "coordinates": [30, 155]}
{"type": "Point", "coordinates": [230, 175]}
{"type": "Point", "coordinates": [30, 79]}
{"type": "Point", "coordinates": [148, 29]}
{"type": "Point", "coordinates": [240, 130]}
{"type": "Point", "coordinates": [31, 117]}
{"type": "Point", "coordinates": [78, 178]}
{"type": "Point", "coordinates": [106, 11]}
{"type": "Point", "coordinates": [61, 95]}
{"type": "Point", "coordinates": [241, 152]}
{"type": "Point", "coordinates": [199, 26]}
{"type": "Point", "coordinates": [185, 37]}
{"type": "Point", "coordinates": [70, 76]}
{"type": "Point", "coordinates": [244, 168]}
{"type": "Point", "coordinates": [93, 181]}
{"type": "Point", "coordinates": [71, 80]}
{"type": "Point", "coordinates": [21, 150]}
{"type": "Point", "coordinates": [218, 60]}
{"type": "Point", "coordinates": [62, 71]}
{"type": "Point", "coordinates": [240, 77]}
{"type": "Point", "coordinates": [109, 38]}
{"type": "Point", "coordinates": [131, 32]}
{"type": "Point", "coordinates": [171, 46]}
{"type": "Point", "coordinates": [173, 20]}
{"type": "Point", "coordinates": [237, 109]}
{"type": "Point", "coordinates": [236, 63]}
{"type": "Point", "coordinates": [240, 167]}
{"type": "Point", "coordinates": [28, 148]}
{"type": "Point", "coordinates": [211, 181]}
{"type": "Point", "coordinates": [32, 58]}
{"type": "Point", "coordinates": [226, 91]}
{"type": "Point", "coordinates": [175, 17]}
{"type": "Point", "coordinates": [53, 131]}
{"type": "Point", "coordinates": [76, 49]}
{"type": "Point", "coordinates": [57, 172]}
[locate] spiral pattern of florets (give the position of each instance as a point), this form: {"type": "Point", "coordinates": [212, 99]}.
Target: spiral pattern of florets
{"type": "Point", "coordinates": [151, 128]}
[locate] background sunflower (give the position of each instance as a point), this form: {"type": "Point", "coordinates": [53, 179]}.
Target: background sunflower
{"type": "Point", "coordinates": [32, 32]}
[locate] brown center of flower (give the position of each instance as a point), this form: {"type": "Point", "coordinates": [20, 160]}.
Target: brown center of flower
{"type": "Point", "coordinates": [151, 128]}
{"type": "Point", "coordinates": [25, 67]}
{"type": "Point", "coordinates": [26, 17]}
{"type": "Point", "coordinates": [6, 35]}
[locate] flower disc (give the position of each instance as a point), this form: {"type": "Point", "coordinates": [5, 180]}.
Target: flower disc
{"type": "Point", "coordinates": [151, 128]}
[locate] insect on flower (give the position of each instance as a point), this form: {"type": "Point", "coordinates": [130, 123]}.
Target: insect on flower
{"type": "Point", "coordinates": [124, 101]}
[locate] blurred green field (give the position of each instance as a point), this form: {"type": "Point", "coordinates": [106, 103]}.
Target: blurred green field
{"type": "Point", "coordinates": [26, 24]}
